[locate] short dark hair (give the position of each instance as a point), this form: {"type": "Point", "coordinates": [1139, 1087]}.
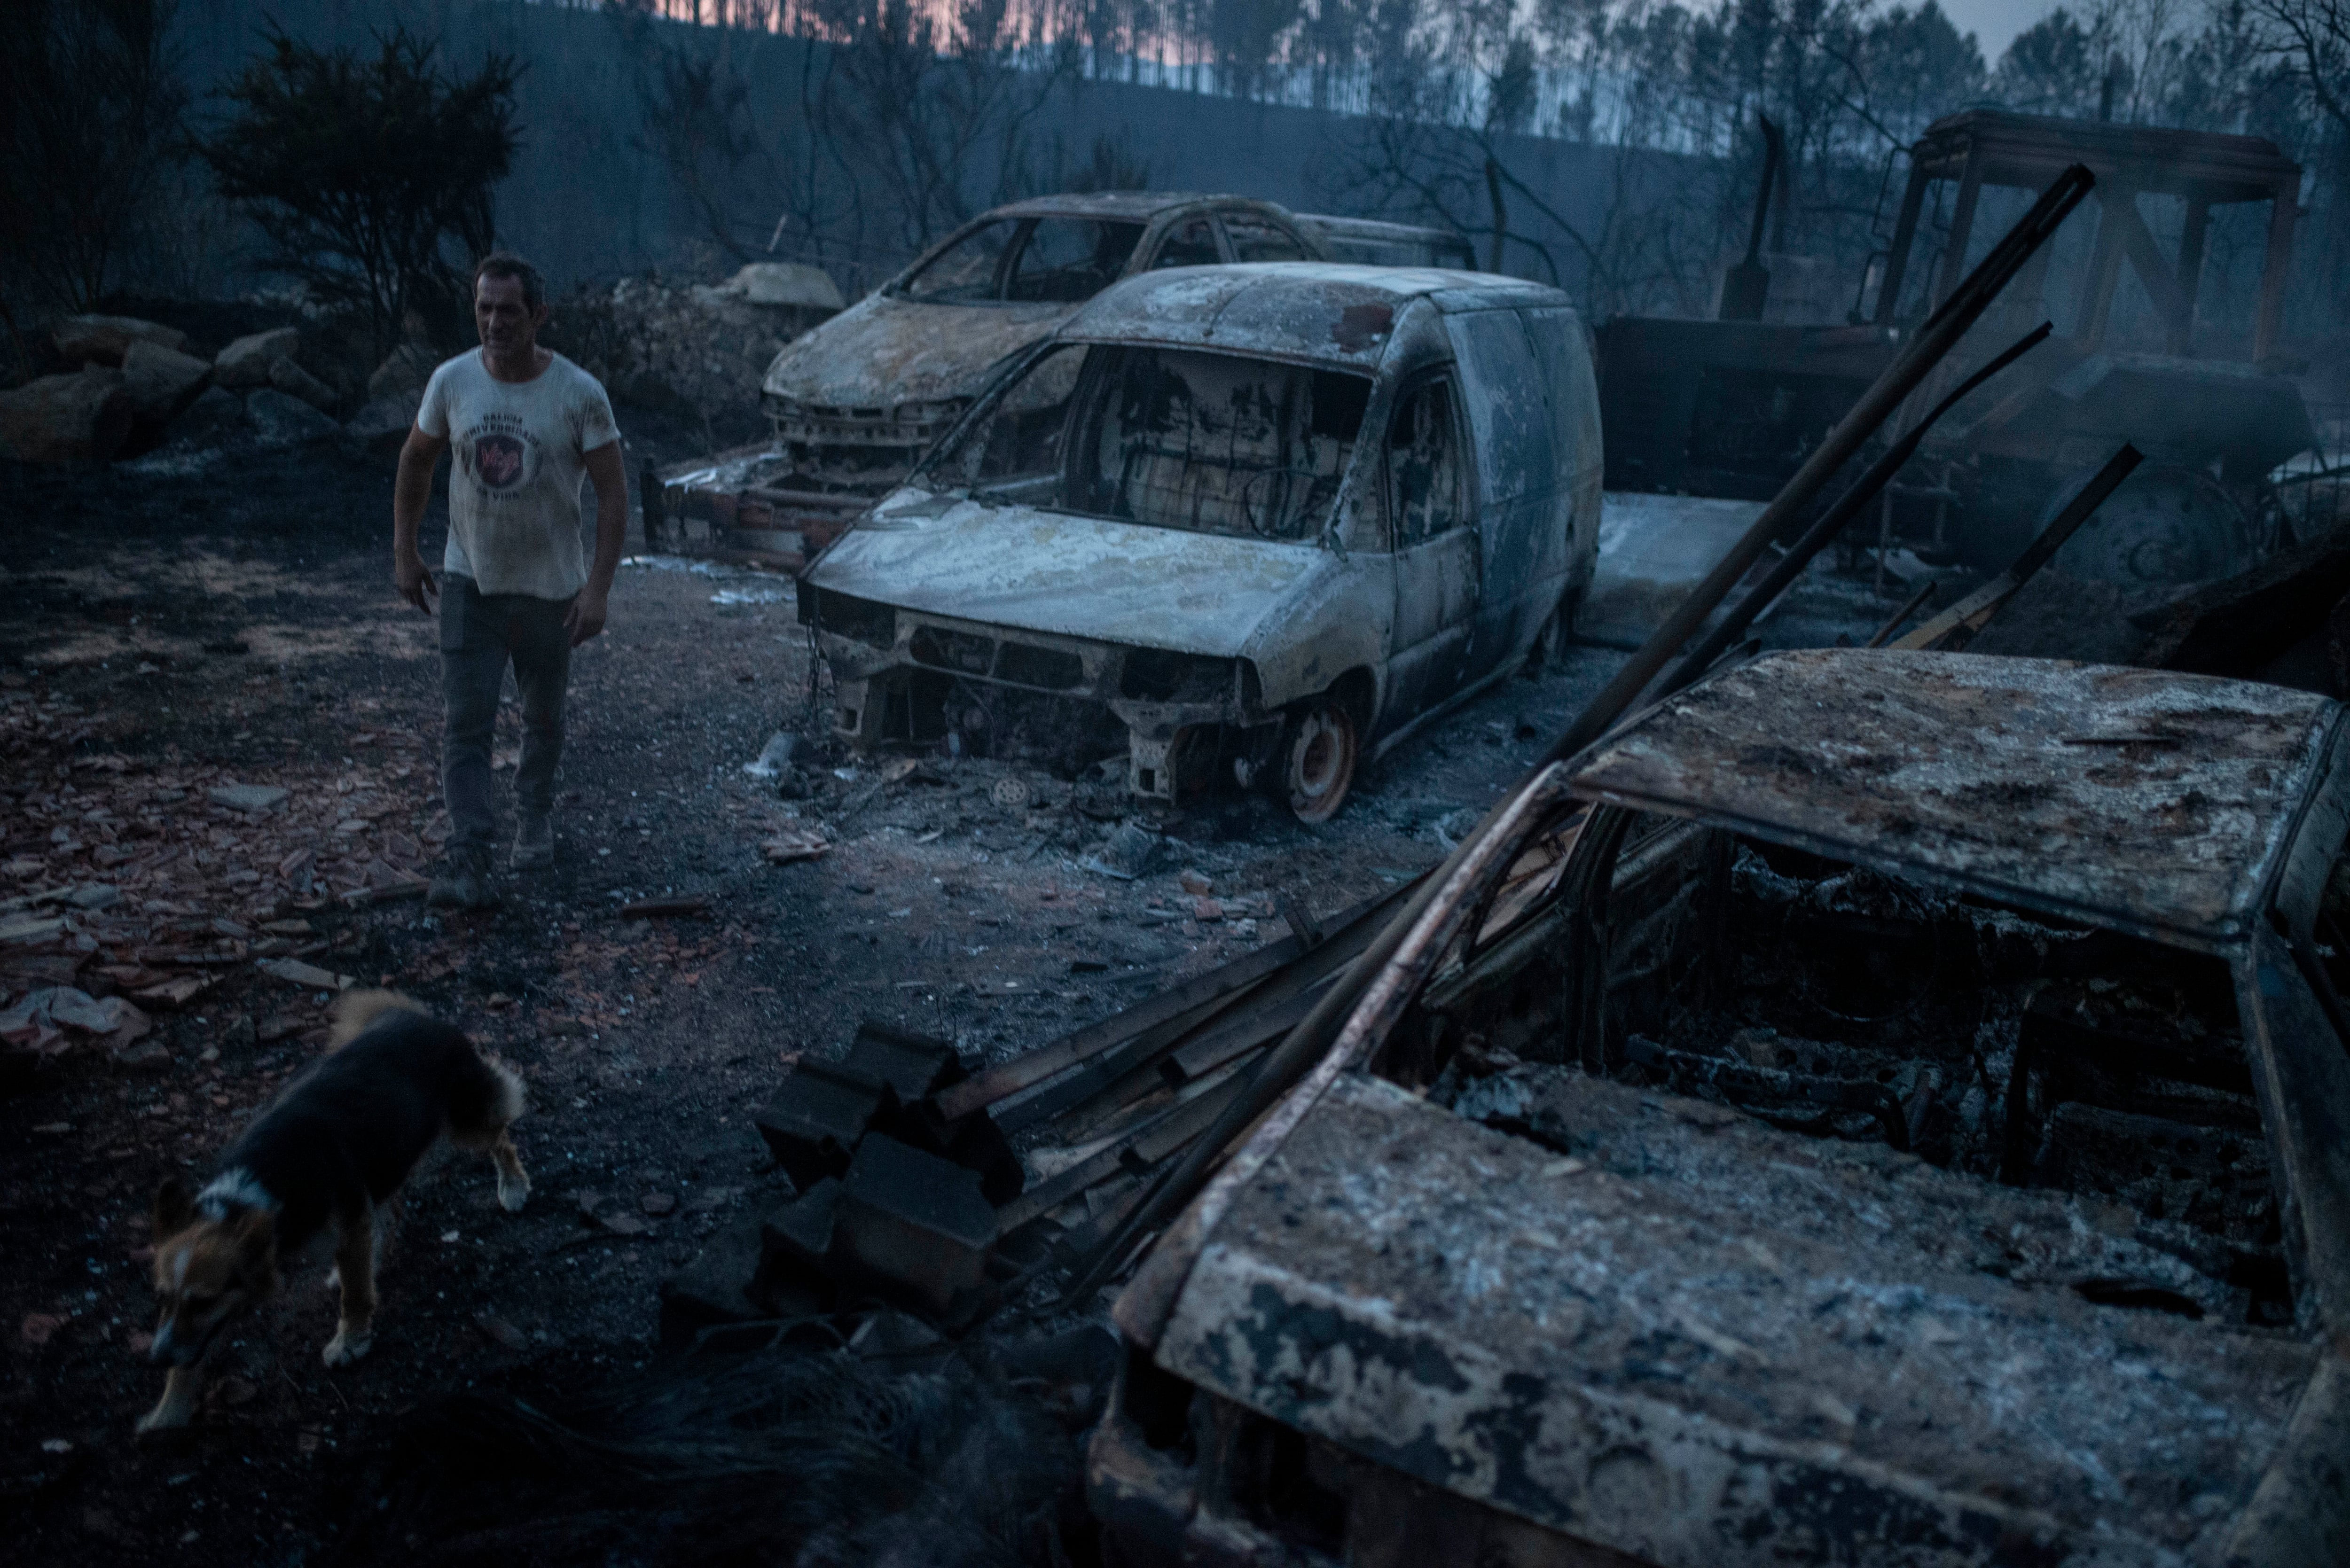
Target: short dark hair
{"type": "Point", "coordinates": [505, 263]}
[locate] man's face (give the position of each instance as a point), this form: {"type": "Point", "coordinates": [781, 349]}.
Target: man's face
{"type": "Point", "coordinates": [507, 323]}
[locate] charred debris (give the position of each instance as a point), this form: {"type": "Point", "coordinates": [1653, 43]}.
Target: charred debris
{"type": "Point", "coordinates": [1952, 1001]}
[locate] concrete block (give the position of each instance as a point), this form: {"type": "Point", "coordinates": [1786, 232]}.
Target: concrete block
{"type": "Point", "coordinates": [913, 1224]}
{"type": "Point", "coordinates": [816, 1118]}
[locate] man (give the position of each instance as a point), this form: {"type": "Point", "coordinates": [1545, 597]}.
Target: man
{"type": "Point", "coordinates": [526, 423]}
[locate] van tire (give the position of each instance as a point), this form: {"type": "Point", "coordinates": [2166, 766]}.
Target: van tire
{"type": "Point", "coordinates": [1550, 642]}
{"type": "Point", "coordinates": [1322, 751]}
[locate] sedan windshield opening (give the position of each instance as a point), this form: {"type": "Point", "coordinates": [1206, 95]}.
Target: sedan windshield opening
{"type": "Point", "coordinates": [971, 270]}
{"type": "Point", "coordinates": [1053, 261]}
{"type": "Point", "coordinates": [1208, 443]}
{"type": "Point", "coordinates": [1066, 260]}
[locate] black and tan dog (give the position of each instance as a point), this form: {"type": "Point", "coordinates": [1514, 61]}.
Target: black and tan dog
{"type": "Point", "coordinates": [333, 1148]}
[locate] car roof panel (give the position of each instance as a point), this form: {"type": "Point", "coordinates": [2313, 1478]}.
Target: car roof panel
{"type": "Point", "coordinates": [2146, 800]}
{"type": "Point", "coordinates": [1131, 206]}
{"type": "Point", "coordinates": [1327, 313]}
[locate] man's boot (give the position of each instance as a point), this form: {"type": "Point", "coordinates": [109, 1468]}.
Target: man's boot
{"type": "Point", "coordinates": [464, 881]}
{"type": "Point", "coordinates": [533, 840]}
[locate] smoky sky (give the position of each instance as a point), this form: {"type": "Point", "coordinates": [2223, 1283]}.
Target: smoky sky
{"type": "Point", "coordinates": [1994, 23]}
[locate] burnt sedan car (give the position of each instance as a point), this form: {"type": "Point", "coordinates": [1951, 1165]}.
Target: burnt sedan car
{"type": "Point", "coordinates": [1373, 241]}
{"type": "Point", "coordinates": [1246, 523]}
{"type": "Point", "coordinates": [857, 399]}
{"type": "Point", "coordinates": [1874, 1109]}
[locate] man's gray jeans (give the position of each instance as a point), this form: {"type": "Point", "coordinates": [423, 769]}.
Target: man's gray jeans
{"type": "Point", "coordinates": [480, 633]}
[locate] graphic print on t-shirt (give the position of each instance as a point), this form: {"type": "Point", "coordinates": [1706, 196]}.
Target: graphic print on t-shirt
{"type": "Point", "coordinates": [499, 457]}
{"type": "Point", "coordinates": [501, 452]}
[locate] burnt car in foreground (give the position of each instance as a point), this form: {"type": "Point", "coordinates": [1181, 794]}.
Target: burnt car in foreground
{"type": "Point", "coordinates": [1873, 1108]}
{"type": "Point", "coordinates": [1246, 523]}
{"type": "Point", "coordinates": [857, 399]}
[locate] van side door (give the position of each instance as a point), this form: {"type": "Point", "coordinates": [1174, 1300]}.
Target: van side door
{"type": "Point", "coordinates": [1522, 560]}
{"type": "Point", "coordinates": [1429, 495]}
{"type": "Point", "coordinates": [1570, 534]}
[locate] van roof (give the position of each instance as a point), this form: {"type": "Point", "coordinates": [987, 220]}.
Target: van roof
{"type": "Point", "coordinates": [1317, 312]}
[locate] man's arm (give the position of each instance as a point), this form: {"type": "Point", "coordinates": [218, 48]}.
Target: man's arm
{"type": "Point", "coordinates": [410, 492]}
{"type": "Point", "coordinates": [610, 477]}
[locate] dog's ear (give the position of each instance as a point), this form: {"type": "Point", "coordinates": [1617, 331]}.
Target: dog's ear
{"type": "Point", "coordinates": [175, 1207]}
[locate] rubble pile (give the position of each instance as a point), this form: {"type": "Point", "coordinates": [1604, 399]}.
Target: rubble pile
{"type": "Point", "coordinates": [906, 1188]}
{"type": "Point", "coordinates": [136, 889]}
{"type": "Point", "coordinates": [692, 349]}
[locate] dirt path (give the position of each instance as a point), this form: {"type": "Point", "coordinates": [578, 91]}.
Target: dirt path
{"type": "Point", "coordinates": [163, 635]}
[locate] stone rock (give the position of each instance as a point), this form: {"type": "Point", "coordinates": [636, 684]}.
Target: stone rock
{"type": "Point", "coordinates": [382, 423]}
{"type": "Point", "coordinates": [103, 340]}
{"type": "Point", "coordinates": [246, 797]}
{"type": "Point", "coordinates": [281, 420]}
{"type": "Point", "coordinates": [81, 417]}
{"type": "Point", "coordinates": [216, 415]}
{"type": "Point", "coordinates": [245, 363]}
{"type": "Point", "coordinates": [405, 370]}
{"type": "Point", "coordinates": [161, 382]}
{"type": "Point", "coordinates": [294, 381]}
{"type": "Point", "coordinates": [785, 283]}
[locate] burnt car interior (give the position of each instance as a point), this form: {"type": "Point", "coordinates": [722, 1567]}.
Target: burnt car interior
{"type": "Point", "coordinates": [1423, 461]}
{"type": "Point", "coordinates": [1173, 439]}
{"type": "Point", "coordinates": [1052, 261]}
{"type": "Point", "coordinates": [1828, 1000]}
{"type": "Point", "coordinates": [1839, 1001]}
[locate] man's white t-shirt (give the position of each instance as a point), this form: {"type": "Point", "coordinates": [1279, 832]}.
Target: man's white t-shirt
{"type": "Point", "coordinates": [520, 450]}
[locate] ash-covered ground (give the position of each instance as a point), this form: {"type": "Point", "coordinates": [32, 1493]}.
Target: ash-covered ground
{"type": "Point", "coordinates": [167, 631]}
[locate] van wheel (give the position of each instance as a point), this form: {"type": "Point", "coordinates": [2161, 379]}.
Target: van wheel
{"type": "Point", "coordinates": [1321, 763]}
{"type": "Point", "coordinates": [1550, 642]}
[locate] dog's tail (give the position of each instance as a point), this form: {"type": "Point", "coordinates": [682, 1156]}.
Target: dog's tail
{"type": "Point", "coordinates": [355, 1010]}
{"type": "Point", "coordinates": [486, 1097]}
